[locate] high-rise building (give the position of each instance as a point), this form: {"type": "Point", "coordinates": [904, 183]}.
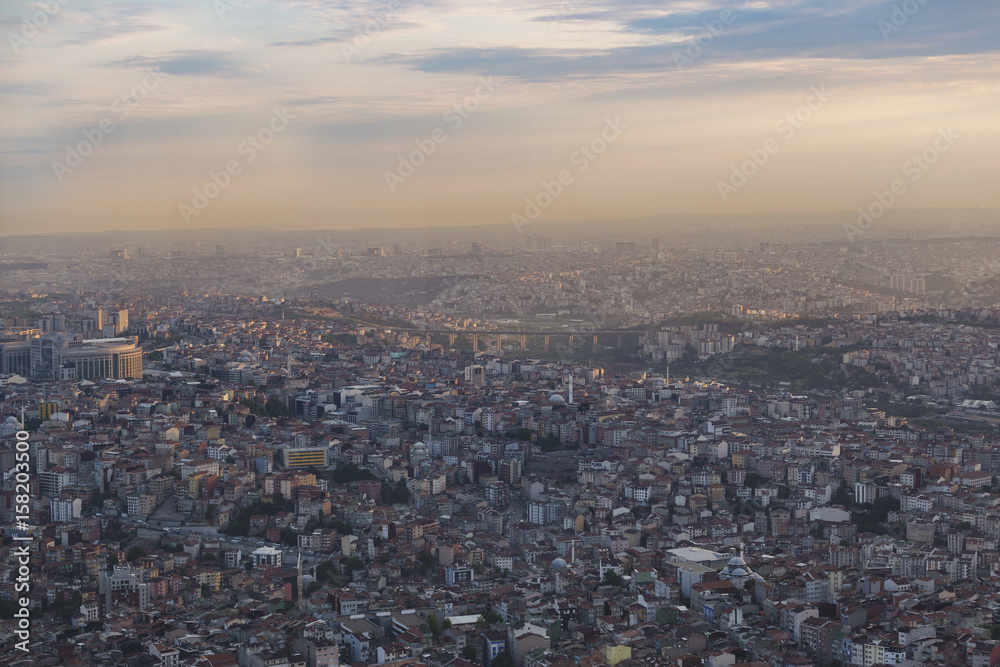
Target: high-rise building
{"type": "Point", "coordinates": [119, 320]}
{"type": "Point", "coordinates": [62, 356]}
{"type": "Point", "coordinates": [305, 457]}
{"type": "Point", "coordinates": [64, 510]}
{"type": "Point", "coordinates": [123, 590]}
{"type": "Point", "coordinates": [475, 375]}
{"type": "Point", "coordinates": [266, 556]}
{"type": "Point", "coordinates": [15, 354]}
{"type": "Point", "coordinates": [52, 322]}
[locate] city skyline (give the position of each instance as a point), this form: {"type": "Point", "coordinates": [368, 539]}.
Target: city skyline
{"type": "Point", "coordinates": [218, 114]}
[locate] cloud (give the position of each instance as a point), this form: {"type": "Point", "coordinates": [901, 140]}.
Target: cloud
{"type": "Point", "coordinates": [757, 31]}
{"type": "Point", "coordinates": [193, 63]}
{"type": "Point", "coordinates": [343, 35]}
{"type": "Point", "coordinates": [26, 88]}
{"type": "Point", "coordinates": [103, 23]}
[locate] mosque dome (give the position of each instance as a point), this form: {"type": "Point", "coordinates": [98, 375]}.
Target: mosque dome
{"type": "Point", "coordinates": [738, 570]}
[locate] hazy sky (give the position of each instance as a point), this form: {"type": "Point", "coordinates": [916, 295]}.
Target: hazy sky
{"type": "Point", "coordinates": [669, 96]}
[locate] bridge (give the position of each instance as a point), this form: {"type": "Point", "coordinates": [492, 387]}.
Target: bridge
{"type": "Point", "coordinates": [521, 334]}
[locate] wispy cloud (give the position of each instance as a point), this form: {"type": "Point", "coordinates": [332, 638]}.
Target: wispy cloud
{"type": "Point", "coordinates": [194, 63]}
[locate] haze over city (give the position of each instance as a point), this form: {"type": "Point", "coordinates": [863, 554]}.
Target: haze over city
{"type": "Point", "coordinates": [499, 333]}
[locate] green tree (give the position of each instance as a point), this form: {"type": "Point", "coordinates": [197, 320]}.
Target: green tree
{"type": "Point", "coordinates": [326, 572]}
{"type": "Point", "coordinates": [135, 553]}
{"type": "Point", "coordinates": [503, 659]}
{"type": "Point", "coordinates": [435, 625]}
{"type": "Point", "coordinates": [612, 578]}
{"type": "Point", "coordinates": [469, 652]}
{"type": "Point", "coordinates": [395, 495]}
{"type": "Point", "coordinates": [288, 537]}
{"type": "Point", "coordinates": [341, 526]}
{"type": "Point", "coordinates": [351, 565]}
{"type": "Point", "coordinates": [350, 472]}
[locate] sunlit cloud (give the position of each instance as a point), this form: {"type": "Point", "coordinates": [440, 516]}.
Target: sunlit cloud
{"type": "Point", "coordinates": [700, 82]}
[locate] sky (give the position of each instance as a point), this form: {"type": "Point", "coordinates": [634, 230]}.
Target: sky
{"type": "Point", "coordinates": [403, 113]}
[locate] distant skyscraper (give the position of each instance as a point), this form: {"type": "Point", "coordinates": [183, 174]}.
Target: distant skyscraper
{"type": "Point", "coordinates": [118, 320]}
{"type": "Point", "coordinates": [220, 249]}
{"type": "Point", "coordinates": [534, 241]}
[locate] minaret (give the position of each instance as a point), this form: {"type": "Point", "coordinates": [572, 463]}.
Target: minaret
{"type": "Point", "coordinates": [298, 583]}
{"type": "Point", "coordinates": [571, 386]}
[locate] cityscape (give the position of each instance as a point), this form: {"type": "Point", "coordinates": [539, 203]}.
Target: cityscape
{"type": "Point", "coordinates": [499, 333]}
{"type": "Point", "coordinates": [545, 453]}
